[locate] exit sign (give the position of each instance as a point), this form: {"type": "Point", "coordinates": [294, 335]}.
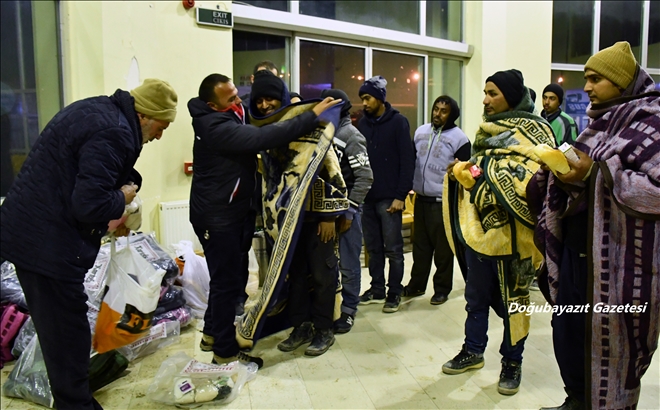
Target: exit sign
{"type": "Point", "coordinates": [215, 18]}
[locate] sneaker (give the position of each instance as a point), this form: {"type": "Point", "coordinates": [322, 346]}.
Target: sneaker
{"type": "Point", "coordinates": [510, 377]}
{"type": "Point", "coordinates": [299, 336]}
{"type": "Point", "coordinates": [463, 361]}
{"type": "Point", "coordinates": [344, 323]}
{"type": "Point", "coordinates": [241, 357]}
{"type": "Point", "coordinates": [392, 303]}
{"type": "Point", "coordinates": [410, 293]}
{"type": "Point", "coordinates": [534, 285]}
{"type": "Point", "coordinates": [438, 299]}
{"type": "Point", "coordinates": [321, 342]}
{"type": "Point", "coordinates": [569, 404]}
{"type": "Point", "coordinates": [370, 297]}
{"type": "Point", "coordinates": [206, 344]}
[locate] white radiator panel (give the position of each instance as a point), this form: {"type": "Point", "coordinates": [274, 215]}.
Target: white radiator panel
{"type": "Point", "coordinates": [175, 225]}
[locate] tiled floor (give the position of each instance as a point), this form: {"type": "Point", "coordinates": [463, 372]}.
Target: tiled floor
{"type": "Point", "coordinates": [386, 361]}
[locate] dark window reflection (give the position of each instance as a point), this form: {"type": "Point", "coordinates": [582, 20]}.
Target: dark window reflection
{"type": "Point", "coordinates": [273, 5]}
{"type": "Point", "coordinates": [653, 56]}
{"type": "Point", "coordinates": [393, 15]}
{"type": "Point", "coordinates": [572, 31]}
{"type": "Point", "coordinates": [621, 21]}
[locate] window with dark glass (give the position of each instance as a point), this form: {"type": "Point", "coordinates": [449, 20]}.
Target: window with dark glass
{"type": "Point", "coordinates": [443, 19]}
{"type": "Point", "coordinates": [444, 79]}
{"type": "Point", "coordinates": [621, 21]}
{"type": "Point", "coordinates": [265, 4]}
{"type": "Point", "coordinates": [393, 15]}
{"type": "Point", "coordinates": [572, 31]}
{"type": "Point", "coordinates": [653, 56]}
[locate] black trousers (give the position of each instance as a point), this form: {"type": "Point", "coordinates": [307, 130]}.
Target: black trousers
{"type": "Point", "coordinates": [568, 329]}
{"type": "Point", "coordinates": [59, 314]}
{"type": "Point", "coordinates": [314, 266]}
{"type": "Point", "coordinates": [430, 245]}
{"type": "Point", "coordinates": [226, 252]}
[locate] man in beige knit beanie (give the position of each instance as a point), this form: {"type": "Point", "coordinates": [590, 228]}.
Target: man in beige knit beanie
{"type": "Point", "coordinates": [609, 72]}
{"type": "Point", "coordinates": [155, 104]}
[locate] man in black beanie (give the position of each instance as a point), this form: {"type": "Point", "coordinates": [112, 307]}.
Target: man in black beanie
{"type": "Point", "coordinates": [268, 94]}
{"type": "Point", "coordinates": [490, 218]}
{"type": "Point", "coordinates": [563, 125]}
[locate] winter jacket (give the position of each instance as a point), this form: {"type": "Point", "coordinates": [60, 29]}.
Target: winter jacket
{"type": "Point", "coordinates": [435, 149]}
{"type": "Point", "coordinates": [69, 187]}
{"type": "Point", "coordinates": [225, 161]}
{"type": "Point", "coordinates": [391, 154]}
{"type": "Point", "coordinates": [354, 161]}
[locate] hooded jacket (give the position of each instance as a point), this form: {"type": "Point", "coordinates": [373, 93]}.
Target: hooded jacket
{"type": "Point", "coordinates": [391, 154]}
{"type": "Point", "coordinates": [69, 187]}
{"type": "Point", "coordinates": [225, 161]}
{"type": "Point", "coordinates": [435, 149]}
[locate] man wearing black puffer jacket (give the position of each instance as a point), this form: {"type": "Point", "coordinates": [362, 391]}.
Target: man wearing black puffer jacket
{"type": "Point", "coordinates": [225, 171]}
{"type": "Point", "coordinates": [392, 160]}
{"type": "Point", "coordinates": [78, 176]}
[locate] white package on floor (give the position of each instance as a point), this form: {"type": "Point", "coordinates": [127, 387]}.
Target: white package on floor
{"type": "Point", "coordinates": [195, 278]}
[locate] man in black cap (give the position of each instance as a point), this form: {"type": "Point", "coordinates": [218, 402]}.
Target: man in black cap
{"type": "Point", "coordinates": [563, 125]}
{"type": "Point", "coordinates": [490, 217]}
{"type": "Point", "coordinates": [392, 159]}
{"type": "Point", "coordinates": [355, 168]}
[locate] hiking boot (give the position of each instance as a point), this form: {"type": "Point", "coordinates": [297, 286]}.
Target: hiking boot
{"type": "Point", "coordinates": [463, 361]}
{"type": "Point", "coordinates": [534, 285]}
{"type": "Point", "coordinates": [241, 357]}
{"type": "Point", "coordinates": [510, 377]}
{"type": "Point", "coordinates": [299, 336]}
{"type": "Point", "coordinates": [438, 299]}
{"type": "Point", "coordinates": [569, 404]}
{"type": "Point", "coordinates": [370, 297]}
{"type": "Point", "coordinates": [344, 323]}
{"type": "Point", "coordinates": [206, 344]}
{"type": "Point", "coordinates": [321, 342]}
{"type": "Point", "coordinates": [411, 293]}
{"type": "Point", "coordinates": [392, 303]}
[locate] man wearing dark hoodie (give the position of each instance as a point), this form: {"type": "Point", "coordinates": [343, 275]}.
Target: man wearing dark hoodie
{"type": "Point", "coordinates": [392, 161]}
{"type": "Point", "coordinates": [225, 165]}
{"type": "Point", "coordinates": [437, 144]}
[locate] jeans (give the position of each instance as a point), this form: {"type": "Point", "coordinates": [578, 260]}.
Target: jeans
{"type": "Point", "coordinates": [482, 291]}
{"type": "Point", "coordinates": [350, 247]}
{"type": "Point", "coordinates": [59, 313]}
{"type": "Point", "coordinates": [430, 244]}
{"type": "Point", "coordinates": [568, 330]}
{"type": "Point", "coordinates": [313, 277]}
{"type": "Point", "coordinates": [382, 238]}
{"type": "Point", "coordinates": [225, 250]}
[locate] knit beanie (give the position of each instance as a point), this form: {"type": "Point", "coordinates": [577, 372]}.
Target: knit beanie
{"type": "Point", "coordinates": [616, 63]}
{"type": "Point", "coordinates": [266, 84]}
{"type": "Point", "coordinates": [557, 90]}
{"type": "Point", "coordinates": [511, 84]}
{"type": "Point", "coordinates": [155, 98]}
{"type": "Point", "coordinates": [375, 87]}
{"type": "Point", "coordinates": [338, 94]}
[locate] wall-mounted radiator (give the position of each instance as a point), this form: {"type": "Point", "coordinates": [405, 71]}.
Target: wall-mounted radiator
{"type": "Point", "coordinates": [175, 225]}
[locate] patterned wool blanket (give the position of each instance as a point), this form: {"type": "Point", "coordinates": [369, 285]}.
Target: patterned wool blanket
{"type": "Point", "coordinates": [623, 246]}
{"type": "Point", "coordinates": [493, 219]}
{"type": "Point", "coordinates": [301, 178]}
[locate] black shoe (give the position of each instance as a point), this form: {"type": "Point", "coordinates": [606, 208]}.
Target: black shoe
{"type": "Point", "coordinates": [569, 404]}
{"type": "Point", "coordinates": [299, 336]}
{"type": "Point", "coordinates": [411, 293]}
{"type": "Point", "coordinates": [438, 299]}
{"type": "Point", "coordinates": [463, 361]}
{"type": "Point", "coordinates": [392, 303]}
{"type": "Point", "coordinates": [370, 297]}
{"type": "Point", "coordinates": [206, 344]}
{"type": "Point", "coordinates": [321, 342]}
{"type": "Point", "coordinates": [510, 377]}
{"type": "Point", "coordinates": [344, 323]}
{"type": "Point", "coordinates": [241, 357]}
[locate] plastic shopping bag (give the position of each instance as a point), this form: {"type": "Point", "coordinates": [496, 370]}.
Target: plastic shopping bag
{"type": "Point", "coordinates": [129, 303]}
{"type": "Point", "coordinates": [195, 278]}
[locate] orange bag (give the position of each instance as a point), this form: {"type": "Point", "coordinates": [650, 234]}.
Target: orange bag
{"type": "Point", "coordinates": [132, 292]}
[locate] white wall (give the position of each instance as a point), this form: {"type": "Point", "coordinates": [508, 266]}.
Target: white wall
{"type": "Point", "coordinates": [505, 35]}
{"type": "Point", "coordinates": [99, 41]}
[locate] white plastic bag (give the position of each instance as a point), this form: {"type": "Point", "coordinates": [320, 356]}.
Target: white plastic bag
{"type": "Point", "coordinates": [29, 380]}
{"type": "Point", "coordinates": [133, 289]}
{"type": "Point", "coordinates": [131, 218]}
{"type": "Point", "coordinates": [183, 381]}
{"type": "Point", "coordinates": [160, 336]}
{"type": "Point", "coordinates": [195, 278]}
